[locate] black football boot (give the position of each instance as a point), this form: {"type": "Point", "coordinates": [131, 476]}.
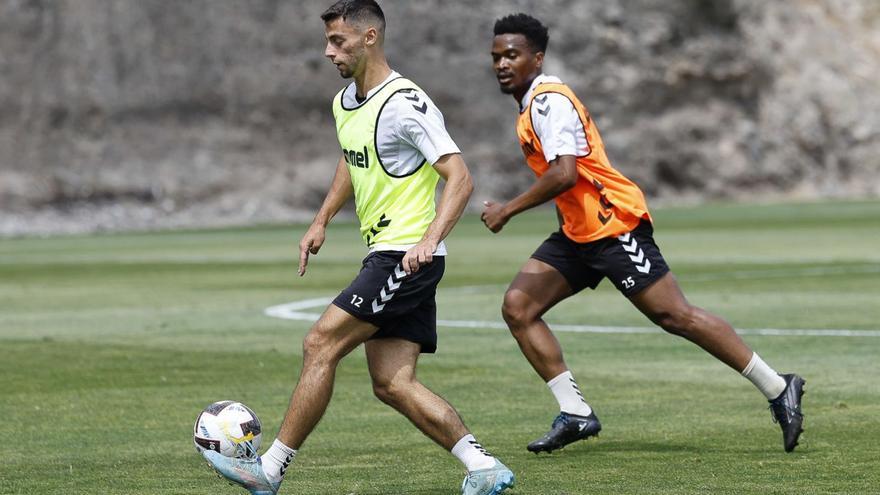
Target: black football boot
{"type": "Point", "coordinates": [566, 428]}
{"type": "Point", "coordinates": [787, 411]}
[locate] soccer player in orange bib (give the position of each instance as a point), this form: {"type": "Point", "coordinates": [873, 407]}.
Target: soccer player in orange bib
{"type": "Point", "coordinates": [605, 231]}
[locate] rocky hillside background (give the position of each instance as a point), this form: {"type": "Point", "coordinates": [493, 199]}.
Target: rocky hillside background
{"type": "Point", "coordinates": [130, 114]}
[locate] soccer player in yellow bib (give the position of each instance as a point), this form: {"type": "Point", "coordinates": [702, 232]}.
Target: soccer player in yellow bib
{"type": "Point", "coordinates": [395, 150]}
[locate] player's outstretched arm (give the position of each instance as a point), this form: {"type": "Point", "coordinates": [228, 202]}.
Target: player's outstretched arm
{"type": "Point", "coordinates": [340, 190]}
{"type": "Point", "coordinates": [561, 177]}
{"type": "Point", "coordinates": [456, 192]}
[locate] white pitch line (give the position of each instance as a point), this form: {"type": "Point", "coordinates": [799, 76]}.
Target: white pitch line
{"type": "Point", "coordinates": [294, 311]}
{"type": "Point", "coordinates": [290, 311]}
{"type": "Point", "coordinates": [782, 273]}
{"type": "Point", "coordinates": [770, 273]}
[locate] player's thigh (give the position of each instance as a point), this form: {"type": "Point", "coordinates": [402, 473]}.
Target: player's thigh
{"type": "Point", "coordinates": [661, 300]}
{"type": "Point", "coordinates": [536, 288]}
{"type": "Point", "coordinates": [632, 261]}
{"type": "Point", "coordinates": [337, 333]}
{"type": "Point", "coordinates": [392, 360]}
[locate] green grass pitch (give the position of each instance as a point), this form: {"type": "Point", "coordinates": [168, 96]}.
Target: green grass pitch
{"type": "Point", "coordinates": [110, 345]}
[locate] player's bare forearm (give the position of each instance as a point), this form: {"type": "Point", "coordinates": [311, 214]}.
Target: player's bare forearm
{"type": "Point", "coordinates": [456, 192]}
{"type": "Point", "coordinates": [454, 198]}
{"type": "Point", "coordinates": [340, 190]}
{"type": "Point", "coordinates": [561, 177]}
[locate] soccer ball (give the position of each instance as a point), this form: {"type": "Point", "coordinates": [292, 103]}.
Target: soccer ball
{"type": "Point", "coordinates": [230, 428]}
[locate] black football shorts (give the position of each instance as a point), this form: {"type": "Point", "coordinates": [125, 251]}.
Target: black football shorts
{"type": "Point", "coordinates": [401, 305]}
{"type": "Point", "coordinates": [631, 261]}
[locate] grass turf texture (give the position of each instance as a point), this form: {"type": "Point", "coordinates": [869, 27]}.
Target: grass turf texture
{"type": "Point", "coordinates": [112, 344]}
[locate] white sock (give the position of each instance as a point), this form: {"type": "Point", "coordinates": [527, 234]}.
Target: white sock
{"type": "Point", "coordinates": [568, 395]}
{"type": "Point", "coordinates": [276, 460]}
{"type": "Point", "coordinates": [764, 377]}
{"type": "Point", "coordinates": [472, 454]}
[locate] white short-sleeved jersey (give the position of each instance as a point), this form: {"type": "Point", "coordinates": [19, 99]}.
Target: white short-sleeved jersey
{"type": "Point", "coordinates": [557, 123]}
{"type": "Point", "coordinates": [410, 131]}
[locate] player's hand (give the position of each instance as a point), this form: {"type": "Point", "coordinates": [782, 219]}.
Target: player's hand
{"type": "Point", "coordinates": [494, 216]}
{"type": "Point", "coordinates": [310, 243]}
{"type": "Point", "coordinates": [418, 255]}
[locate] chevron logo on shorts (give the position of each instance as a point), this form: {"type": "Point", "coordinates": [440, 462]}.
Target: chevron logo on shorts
{"type": "Point", "coordinates": [643, 264]}
{"type": "Point", "coordinates": [391, 285]}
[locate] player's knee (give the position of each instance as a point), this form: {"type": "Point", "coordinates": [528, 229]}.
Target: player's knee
{"type": "Point", "coordinates": [310, 346]}
{"type": "Point", "coordinates": [679, 321]}
{"type": "Point", "coordinates": [516, 311]}
{"type": "Point", "coordinates": [384, 392]}
{"type": "Point", "coordinates": [390, 392]}
{"type": "Point", "coordinates": [316, 348]}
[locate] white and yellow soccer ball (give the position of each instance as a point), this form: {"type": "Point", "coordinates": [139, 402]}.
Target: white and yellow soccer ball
{"type": "Point", "coordinates": [230, 428]}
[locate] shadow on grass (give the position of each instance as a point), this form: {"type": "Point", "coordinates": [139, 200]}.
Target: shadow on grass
{"type": "Point", "coordinates": [593, 448]}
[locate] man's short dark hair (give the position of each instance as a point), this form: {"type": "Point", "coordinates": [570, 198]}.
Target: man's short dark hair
{"type": "Point", "coordinates": [536, 33]}
{"type": "Point", "coordinates": [356, 11]}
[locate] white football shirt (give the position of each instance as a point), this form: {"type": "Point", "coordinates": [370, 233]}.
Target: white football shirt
{"type": "Point", "coordinates": [410, 132]}
{"type": "Point", "coordinates": [557, 123]}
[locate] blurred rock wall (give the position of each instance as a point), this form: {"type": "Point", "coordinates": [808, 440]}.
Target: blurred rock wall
{"type": "Point", "coordinates": [121, 114]}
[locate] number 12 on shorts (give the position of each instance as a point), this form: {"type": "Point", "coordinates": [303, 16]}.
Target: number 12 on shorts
{"type": "Point", "coordinates": [356, 300]}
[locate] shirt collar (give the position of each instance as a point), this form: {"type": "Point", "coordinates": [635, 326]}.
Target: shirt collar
{"type": "Point", "coordinates": [393, 75]}
{"type": "Point", "coordinates": [351, 90]}
{"type": "Point", "coordinates": [542, 78]}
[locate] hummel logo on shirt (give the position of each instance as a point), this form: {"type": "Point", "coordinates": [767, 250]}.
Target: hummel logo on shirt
{"type": "Point", "coordinates": [357, 158]}
{"type": "Point", "coordinates": [415, 98]}
{"type": "Point", "coordinates": [423, 108]}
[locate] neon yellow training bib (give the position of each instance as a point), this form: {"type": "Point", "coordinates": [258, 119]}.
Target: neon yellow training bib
{"type": "Point", "coordinates": [393, 210]}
